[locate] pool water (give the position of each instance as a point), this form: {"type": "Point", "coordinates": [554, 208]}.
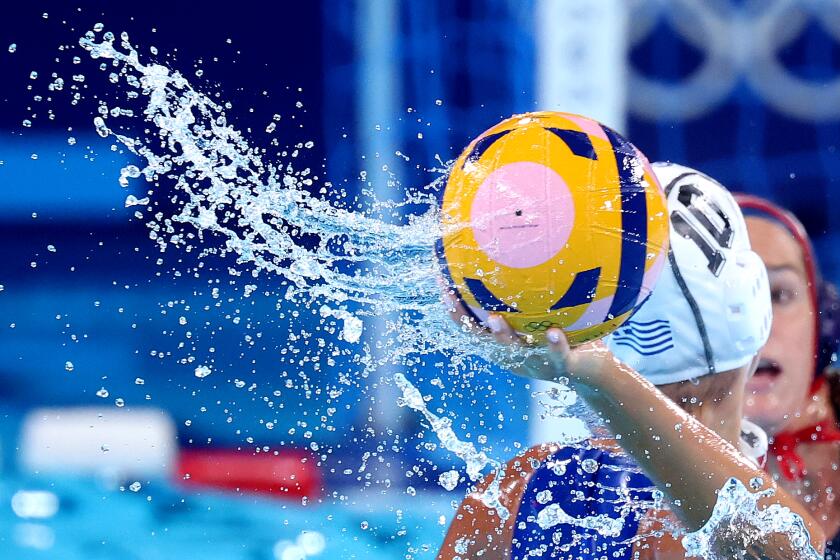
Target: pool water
{"type": "Point", "coordinates": [161, 521]}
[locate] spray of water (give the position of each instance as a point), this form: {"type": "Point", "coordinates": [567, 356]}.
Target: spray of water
{"type": "Point", "coordinates": [737, 526]}
{"type": "Point", "coordinates": [352, 267]}
{"type": "Point", "coordinates": [475, 460]}
{"type": "Point", "coordinates": [261, 210]}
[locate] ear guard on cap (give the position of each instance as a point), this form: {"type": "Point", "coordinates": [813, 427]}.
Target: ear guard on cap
{"type": "Point", "coordinates": [748, 308]}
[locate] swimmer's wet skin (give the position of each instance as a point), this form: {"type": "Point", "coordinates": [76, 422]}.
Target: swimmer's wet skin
{"type": "Point", "coordinates": [594, 501]}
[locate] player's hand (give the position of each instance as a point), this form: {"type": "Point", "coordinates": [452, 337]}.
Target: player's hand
{"type": "Point", "coordinates": [583, 364]}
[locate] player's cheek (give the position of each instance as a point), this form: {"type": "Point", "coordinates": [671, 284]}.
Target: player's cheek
{"type": "Point", "coordinates": [793, 324]}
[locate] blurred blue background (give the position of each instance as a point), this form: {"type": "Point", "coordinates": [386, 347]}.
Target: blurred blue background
{"type": "Point", "coordinates": [747, 91]}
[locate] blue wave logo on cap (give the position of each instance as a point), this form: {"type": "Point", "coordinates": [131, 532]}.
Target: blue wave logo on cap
{"type": "Point", "coordinates": [647, 338]}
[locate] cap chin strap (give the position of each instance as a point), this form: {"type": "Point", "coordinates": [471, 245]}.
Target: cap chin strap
{"type": "Point", "coordinates": [695, 311]}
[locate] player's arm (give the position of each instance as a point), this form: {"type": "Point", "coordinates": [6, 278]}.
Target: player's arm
{"type": "Point", "coordinates": [476, 530]}
{"type": "Point", "coordinates": [687, 460]}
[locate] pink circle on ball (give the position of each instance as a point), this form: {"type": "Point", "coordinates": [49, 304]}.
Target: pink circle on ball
{"type": "Point", "coordinates": [522, 214]}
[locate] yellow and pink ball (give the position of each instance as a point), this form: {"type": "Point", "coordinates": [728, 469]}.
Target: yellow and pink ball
{"type": "Point", "coordinates": [553, 220]}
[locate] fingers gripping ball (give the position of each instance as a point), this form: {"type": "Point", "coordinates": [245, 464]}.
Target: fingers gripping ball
{"type": "Point", "coordinates": [553, 220]}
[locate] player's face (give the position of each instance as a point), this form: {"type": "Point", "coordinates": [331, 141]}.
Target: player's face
{"type": "Point", "coordinates": [780, 386]}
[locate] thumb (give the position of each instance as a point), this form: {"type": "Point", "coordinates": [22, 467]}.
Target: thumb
{"type": "Point", "coordinates": [558, 350]}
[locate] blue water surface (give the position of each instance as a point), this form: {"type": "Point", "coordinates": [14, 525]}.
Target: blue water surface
{"type": "Point", "coordinates": [163, 521]}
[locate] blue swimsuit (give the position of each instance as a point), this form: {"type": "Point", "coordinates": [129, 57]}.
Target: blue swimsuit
{"type": "Point", "coordinates": [582, 483]}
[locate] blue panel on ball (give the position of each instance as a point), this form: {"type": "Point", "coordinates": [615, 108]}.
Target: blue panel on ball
{"type": "Point", "coordinates": [633, 226]}
{"type": "Point", "coordinates": [581, 291]}
{"type": "Point", "coordinates": [482, 145]}
{"type": "Point", "coordinates": [485, 297]}
{"type": "Point", "coordinates": [577, 141]}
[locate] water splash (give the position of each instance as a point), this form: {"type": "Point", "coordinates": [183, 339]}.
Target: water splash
{"type": "Point", "coordinates": [554, 515]}
{"type": "Point", "coordinates": [353, 326]}
{"type": "Point", "coordinates": [225, 198]}
{"type": "Point", "coordinates": [475, 460]}
{"type": "Point", "coordinates": [737, 525]}
{"type": "Point", "coordinates": [259, 209]}
{"type": "Point", "coordinates": [449, 480]}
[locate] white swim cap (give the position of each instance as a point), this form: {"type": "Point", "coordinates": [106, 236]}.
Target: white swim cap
{"type": "Point", "coordinates": [710, 310]}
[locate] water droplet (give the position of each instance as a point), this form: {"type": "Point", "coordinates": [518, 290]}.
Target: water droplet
{"type": "Point", "coordinates": [12, 48]}
{"type": "Point", "coordinates": [438, 102]}
{"type": "Point", "coordinates": [132, 200]}
{"type": "Point", "coordinates": [128, 172]}
{"type": "Point", "coordinates": [589, 465]}
{"type": "Point", "coordinates": [51, 248]}
{"type": "Point", "coordinates": [101, 129]}
{"type": "Point", "coordinates": [33, 75]}
{"type": "Point", "coordinates": [135, 486]}
{"type": "Point", "coordinates": [69, 366]}
{"type": "Point", "coordinates": [449, 480]}
{"type": "Point", "coordinates": [203, 371]}
{"type": "Point", "coordinates": [139, 381]}
{"type": "Point", "coordinates": [657, 496]}
{"type": "Point", "coordinates": [102, 393]}
{"type": "Point", "coordinates": [119, 402]}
